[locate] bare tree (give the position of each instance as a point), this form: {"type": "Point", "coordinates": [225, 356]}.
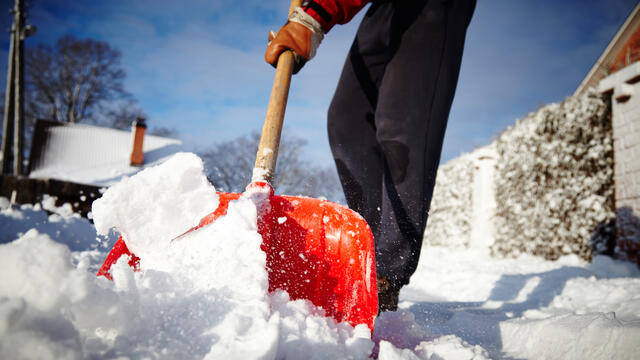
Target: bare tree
{"type": "Point", "coordinates": [121, 115]}
{"type": "Point", "coordinates": [163, 131]}
{"type": "Point", "coordinates": [81, 80]}
{"type": "Point", "coordinates": [229, 167]}
{"type": "Point", "coordinates": [72, 79]}
{"type": "Point", "coordinates": [229, 164]}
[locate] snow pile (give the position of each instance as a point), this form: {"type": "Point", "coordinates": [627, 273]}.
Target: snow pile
{"type": "Point", "coordinates": [216, 273]}
{"type": "Point", "coordinates": [528, 307]}
{"type": "Point", "coordinates": [590, 336]}
{"type": "Point", "coordinates": [35, 298]}
{"type": "Point", "coordinates": [554, 185]}
{"type": "Point", "coordinates": [594, 317]}
{"type": "Point", "coordinates": [449, 220]}
{"type": "Point", "coordinates": [203, 295]}
{"type": "Point", "coordinates": [60, 223]}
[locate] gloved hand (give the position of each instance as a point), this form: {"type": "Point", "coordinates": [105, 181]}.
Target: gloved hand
{"type": "Point", "coordinates": [302, 34]}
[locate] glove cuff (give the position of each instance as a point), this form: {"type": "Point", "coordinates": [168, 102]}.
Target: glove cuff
{"type": "Point", "coordinates": [317, 34]}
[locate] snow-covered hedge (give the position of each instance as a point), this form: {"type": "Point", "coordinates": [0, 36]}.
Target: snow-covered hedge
{"type": "Point", "coordinates": [449, 221]}
{"type": "Point", "coordinates": [554, 182]}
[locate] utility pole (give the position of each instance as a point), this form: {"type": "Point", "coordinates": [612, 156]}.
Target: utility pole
{"type": "Point", "coordinates": [7, 134]}
{"type": "Point", "coordinates": [13, 129]}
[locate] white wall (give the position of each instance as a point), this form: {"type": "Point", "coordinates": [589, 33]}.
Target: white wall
{"type": "Point", "coordinates": [463, 204]}
{"type": "Point", "coordinates": [483, 198]}
{"type": "Point", "coordinates": [624, 86]}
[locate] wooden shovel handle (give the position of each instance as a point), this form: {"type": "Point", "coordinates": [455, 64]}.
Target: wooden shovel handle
{"type": "Point", "coordinates": [265, 166]}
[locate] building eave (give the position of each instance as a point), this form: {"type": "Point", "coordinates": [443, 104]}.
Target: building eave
{"type": "Point", "coordinates": [599, 69]}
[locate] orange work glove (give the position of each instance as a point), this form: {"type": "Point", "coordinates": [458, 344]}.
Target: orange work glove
{"type": "Point", "coordinates": [302, 34]}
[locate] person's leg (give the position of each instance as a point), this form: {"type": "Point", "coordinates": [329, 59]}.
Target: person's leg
{"type": "Point", "coordinates": [413, 105]}
{"type": "Point", "coordinates": [351, 127]}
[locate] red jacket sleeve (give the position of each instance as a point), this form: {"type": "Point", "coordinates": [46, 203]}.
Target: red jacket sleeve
{"type": "Point", "coordinates": [331, 12]}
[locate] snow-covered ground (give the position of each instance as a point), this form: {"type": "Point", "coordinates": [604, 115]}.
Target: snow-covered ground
{"type": "Point", "coordinates": [205, 296]}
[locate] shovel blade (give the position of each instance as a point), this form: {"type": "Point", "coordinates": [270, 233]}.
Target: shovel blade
{"type": "Point", "coordinates": [316, 250]}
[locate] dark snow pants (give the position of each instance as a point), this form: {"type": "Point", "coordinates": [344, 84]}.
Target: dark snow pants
{"type": "Point", "coordinates": [388, 117]}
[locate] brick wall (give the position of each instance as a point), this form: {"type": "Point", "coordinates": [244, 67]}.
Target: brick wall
{"type": "Point", "coordinates": [624, 89]}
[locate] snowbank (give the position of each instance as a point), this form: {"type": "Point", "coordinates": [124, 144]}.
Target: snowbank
{"type": "Point", "coordinates": [60, 223]}
{"type": "Point", "coordinates": [528, 307]}
{"type": "Point", "coordinates": [589, 336]}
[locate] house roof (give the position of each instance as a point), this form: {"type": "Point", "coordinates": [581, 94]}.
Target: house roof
{"type": "Point", "coordinates": [91, 155]}
{"type": "Point", "coordinates": [618, 49]}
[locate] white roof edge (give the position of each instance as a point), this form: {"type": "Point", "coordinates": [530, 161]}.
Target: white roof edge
{"type": "Point", "coordinates": [109, 129]}
{"type": "Point", "coordinates": [625, 74]}
{"type": "Point", "coordinates": [607, 50]}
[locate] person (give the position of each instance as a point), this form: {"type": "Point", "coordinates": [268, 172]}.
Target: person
{"type": "Point", "coordinates": [387, 119]}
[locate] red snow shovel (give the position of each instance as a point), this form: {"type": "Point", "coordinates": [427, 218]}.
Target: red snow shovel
{"type": "Point", "coordinates": [316, 249]}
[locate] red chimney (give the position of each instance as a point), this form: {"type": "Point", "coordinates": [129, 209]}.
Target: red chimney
{"type": "Point", "coordinates": [137, 129]}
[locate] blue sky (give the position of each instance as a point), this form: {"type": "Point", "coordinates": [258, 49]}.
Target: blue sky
{"type": "Point", "coordinates": [197, 66]}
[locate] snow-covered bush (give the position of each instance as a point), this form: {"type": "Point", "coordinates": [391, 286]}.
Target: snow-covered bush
{"type": "Point", "coordinates": [449, 221]}
{"type": "Point", "coordinates": [554, 182]}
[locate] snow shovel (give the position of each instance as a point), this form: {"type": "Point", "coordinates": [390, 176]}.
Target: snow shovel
{"type": "Point", "coordinates": [316, 249]}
